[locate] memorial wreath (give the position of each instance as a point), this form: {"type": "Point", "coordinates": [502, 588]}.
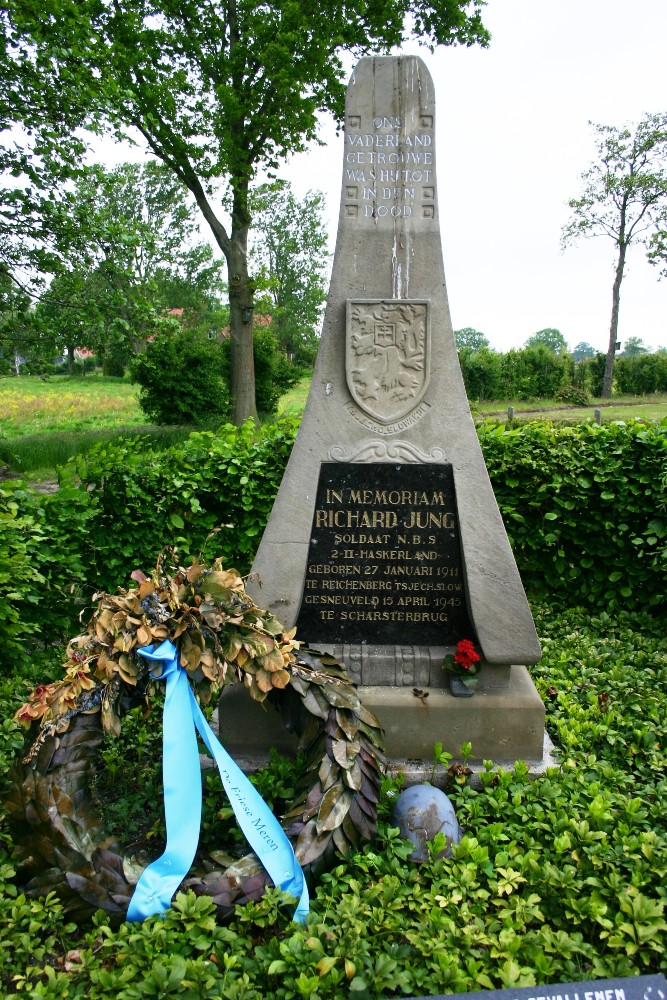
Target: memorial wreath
{"type": "Point", "coordinates": [200, 625]}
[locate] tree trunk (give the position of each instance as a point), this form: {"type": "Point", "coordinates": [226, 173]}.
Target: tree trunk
{"type": "Point", "coordinates": [613, 328]}
{"type": "Point", "coordinates": [240, 309]}
{"type": "Point", "coordinates": [241, 291]}
{"type": "Point", "coordinates": [240, 325]}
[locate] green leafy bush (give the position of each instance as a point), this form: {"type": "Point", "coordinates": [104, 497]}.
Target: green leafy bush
{"type": "Point", "coordinates": [482, 372]}
{"type": "Point", "coordinates": [21, 537]}
{"type": "Point", "coordinates": [529, 373]}
{"type": "Point", "coordinates": [141, 500]}
{"type": "Point", "coordinates": [123, 502]}
{"type": "Point", "coordinates": [590, 373]}
{"type": "Point", "coordinates": [182, 379]}
{"type": "Point", "coordinates": [573, 394]}
{"type": "Point", "coordinates": [274, 375]}
{"type": "Point", "coordinates": [534, 372]}
{"type": "Point", "coordinates": [641, 375]}
{"type": "Point", "coordinates": [43, 542]}
{"type": "Point", "coordinates": [558, 878]}
{"type": "Point", "coordinates": [584, 508]}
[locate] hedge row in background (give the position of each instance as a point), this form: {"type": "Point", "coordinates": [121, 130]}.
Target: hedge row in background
{"type": "Point", "coordinates": [584, 508]}
{"type": "Point", "coordinates": [536, 372]}
{"type": "Point", "coordinates": [117, 508]}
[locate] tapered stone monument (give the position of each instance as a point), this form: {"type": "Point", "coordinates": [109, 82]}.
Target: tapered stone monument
{"type": "Point", "coordinates": [385, 545]}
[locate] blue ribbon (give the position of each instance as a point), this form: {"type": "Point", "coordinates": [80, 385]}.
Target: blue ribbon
{"type": "Point", "coordinates": [183, 800]}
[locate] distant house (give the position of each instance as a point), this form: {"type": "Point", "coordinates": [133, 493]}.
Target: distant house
{"type": "Point", "coordinates": [259, 320]}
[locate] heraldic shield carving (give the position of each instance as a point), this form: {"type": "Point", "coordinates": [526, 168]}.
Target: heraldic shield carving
{"type": "Point", "coordinates": [387, 355]}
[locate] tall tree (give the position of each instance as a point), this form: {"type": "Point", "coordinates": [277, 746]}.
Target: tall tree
{"type": "Point", "coordinates": [288, 259]}
{"type": "Point", "coordinates": [133, 258]}
{"type": "Point", "coordinates": [21, 342]}
{"type": "Point", "coordinates": [634, 346]}
{"type": "Point", "coordinates": [139, 214]}
{"type": "Point", "coordinates": [583, 350]}
{"type": "Point", "coordinates": [657, 247]}
{"type": "Point", "coordinates": [217, 88]}
{"type": "Point", "coordinates": [550, 338]}
{"type": "Point", "coordinates": [470, 339]}
{"type": "Point", "coordinates": [40, 151]}
{"type": "Point", "coordinates": [624, 199]}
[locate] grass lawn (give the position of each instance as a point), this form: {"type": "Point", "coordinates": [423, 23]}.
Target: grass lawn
{"type": "Point", "coordinates": [620, 408]}
{"type": "Point", "coordinates": [64, 403]}
{"type": "Point", "coordinates": [293, 402]}
{"type": "Point", "coordinates": [45, 422]}
{"type": "Point", "coordinates": [30, 405]}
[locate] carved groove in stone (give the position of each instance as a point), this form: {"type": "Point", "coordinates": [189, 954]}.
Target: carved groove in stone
{"type": "Point", "coordinates": [383, 451]}
{"type": "Point", "coordinates": [387, 355]}
{"type": "Point", "coordinates": [411, 665]}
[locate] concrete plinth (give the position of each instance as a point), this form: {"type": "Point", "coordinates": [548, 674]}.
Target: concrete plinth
{"type": "Point", "coordinates": [503, 725]}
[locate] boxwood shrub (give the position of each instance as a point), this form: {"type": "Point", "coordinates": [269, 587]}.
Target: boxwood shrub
{"type": "Point", "coordinates": [558, 878]}
{"type": "Point", "coordinates": [585, 509]}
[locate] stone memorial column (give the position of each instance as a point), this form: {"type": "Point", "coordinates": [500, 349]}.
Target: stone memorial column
{"type": "Point", "coordinates": [385, 545]}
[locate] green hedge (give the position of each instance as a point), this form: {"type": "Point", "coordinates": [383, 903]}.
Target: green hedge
{"type": "Point", "coordinates": [223, 483]}
{"type": "Point", "coordinates": [535, 372]}
{"type": "Point", "coordinates": [530, 373]}
{"type": "Point", "coordinates": [43, 566]}
{"type": "Point", "coordinates": [20, 540]}
{"type": "Point", "coordinates": [584, 508]}
{"type": "Point", "coordinates": [641, 375]}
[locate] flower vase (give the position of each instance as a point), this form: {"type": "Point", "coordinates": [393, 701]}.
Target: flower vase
{"type": "Point", "coordinates": [462, 687]}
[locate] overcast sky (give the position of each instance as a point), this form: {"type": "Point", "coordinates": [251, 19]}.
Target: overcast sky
{"type": "Point", "coordinates": [513, 139]}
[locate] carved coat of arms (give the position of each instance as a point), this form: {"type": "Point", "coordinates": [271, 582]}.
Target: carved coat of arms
{"type": "Point", "coordinates": [387, 355]}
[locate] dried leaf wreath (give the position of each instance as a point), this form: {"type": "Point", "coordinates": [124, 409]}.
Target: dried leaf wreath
{"type": "Point", "coordinates": [222, 637]}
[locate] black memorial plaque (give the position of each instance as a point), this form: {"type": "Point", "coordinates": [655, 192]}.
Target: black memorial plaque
{"type": "Point", "coordinates": [652, 987]}
{"type": "Point", "coordinates": [384, 559]}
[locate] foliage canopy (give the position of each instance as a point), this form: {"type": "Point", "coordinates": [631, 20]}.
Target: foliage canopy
{"type": "Point", "coordinates": [214, 90]}
{"type": "Point", "coordinates": [134, 258]}
{"type": "Point", "coordinates": [470, 339]}
{"type": "Point", "coordinates": [550, 338]}
{"type": "Point", "coordinates": [289, 261]}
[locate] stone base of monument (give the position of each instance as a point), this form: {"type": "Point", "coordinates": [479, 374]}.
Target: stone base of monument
{"type": "Point", "coordinates": [504, 724]}
{"type": "Point", "coordinates": [501, 723]}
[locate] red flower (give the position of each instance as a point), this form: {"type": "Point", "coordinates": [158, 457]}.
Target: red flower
{"type": "Point", "coordinates": [465, 654]}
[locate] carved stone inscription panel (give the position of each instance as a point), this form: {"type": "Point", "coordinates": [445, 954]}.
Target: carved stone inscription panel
{"type": "Point", "coordinates": [384, 560]}
{"type": "Point", "coordinates": [387, 360]}
{"type": "Point", "coordinates": [389, 167]}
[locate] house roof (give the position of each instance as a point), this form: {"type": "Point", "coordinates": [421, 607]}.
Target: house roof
{"type": "Point", "coordinates": [258, 319]}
